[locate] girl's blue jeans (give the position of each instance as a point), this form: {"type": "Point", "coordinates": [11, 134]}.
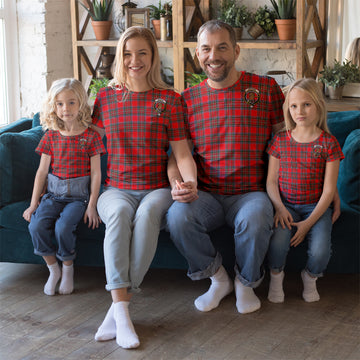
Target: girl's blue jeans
{"type": "Point", "coordinates": [251, 217]}
{"type": "Point", "coordinates": [319, 241]}
{"type": "Point", "coordinates": [60, 217]}
{"type": "Point", "coordinates": [133, 220]}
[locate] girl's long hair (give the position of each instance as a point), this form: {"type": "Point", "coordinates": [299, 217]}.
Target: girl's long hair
{"type": "Point", "coordinates": [153, 77]}
{"type": "Point", "coordinates": [312, 88]}
{"type": "Point", "coordinates": [49, 119]}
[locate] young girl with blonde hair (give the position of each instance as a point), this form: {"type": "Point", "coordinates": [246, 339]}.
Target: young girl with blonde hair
{"type": "Point", "coordinates": [301, 183]}
{"type": "Point", "coordinates": [71, 150]}
{"type": "Point", "coordinates": [141, 117]}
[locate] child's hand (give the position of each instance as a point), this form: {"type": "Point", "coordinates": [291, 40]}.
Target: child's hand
{"type": "Point", "coordinates": [184, 192]}
{"type": "Point", "coordinates": [302, 229]}
{"type": "Point", "coordinates": [93, 217]}
{"type": "Point", "coordinates": [28, 212]}
{"type": "Point", "coordinates": [283, 217]}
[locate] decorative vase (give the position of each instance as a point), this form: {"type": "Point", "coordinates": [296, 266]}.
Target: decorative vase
{"type": "Point", "coordinates": [238, 32]}
{"type": "Point", "coordinates": [102, 29]}
{"type": "Point", "coordinates": [156, 27]}
{"type": "Point", "coordinates": [165, 28]}
{"type": "Point", "coordinates": [255, 31]}
{"type": "Point", "coordinates": [286, 28]}
{"type": "Point", "coordinates": [335, 93]}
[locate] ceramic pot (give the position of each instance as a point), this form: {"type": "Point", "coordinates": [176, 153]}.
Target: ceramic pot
{"type": "Point", "coordinates": [286, 28]}
{"type": "Point", "coordinates": [102, 29]}
{"type": "Point", "coordinates": [156, 27]}
{"type": "Point", "coordinates": [335, 93]}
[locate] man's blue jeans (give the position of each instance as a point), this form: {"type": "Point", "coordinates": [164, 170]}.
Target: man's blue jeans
{"type": "Point", "coordinates": [251, 217]}
{"type": "Point", "coordinates": [59, 216]}
{"type": "Point", "coordinates": [319, 240]}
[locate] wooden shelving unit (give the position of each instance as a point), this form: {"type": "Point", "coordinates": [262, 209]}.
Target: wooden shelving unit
{"type": "Point", "coordinates": [188, 15]}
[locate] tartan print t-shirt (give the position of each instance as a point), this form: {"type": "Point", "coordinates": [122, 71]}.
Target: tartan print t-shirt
{"type": "Point", "coordinates": [230, 129]}
{"type": "Point", "coordinates": [138, 127]}
{"type": "Point", "coordinates": [70, 155]}
{"type": "Point", "coordinates": [302, 165]}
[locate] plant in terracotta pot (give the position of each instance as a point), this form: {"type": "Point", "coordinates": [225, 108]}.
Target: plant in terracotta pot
{"type": "Point", "coordinates": [156, 12]}
{"type": "Point", "coordinates": [99, 11]}
{"type": "Point", "coordinates": [235, 15]}
{"type": "Point", "coordinates": [338, 75]}
{"type": "Point", "coordinates": [264, 22]}
{"type": "Point", "coordinates": [285, 18]}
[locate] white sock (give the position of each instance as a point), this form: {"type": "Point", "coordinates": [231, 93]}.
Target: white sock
{"type": "Point", "coordinates": [125, 333]}
{"type": "Point", "coordinates": [67, 280]}
{"type": "Point", "coordinates": [246, 300]}
{"type": "Point", "coordinates": [54, 277]}
{"type": "Point", "coordinates": [310, 293]}
{"type": "Point", "coordinates": [276, 292]}
{"type": "Point", "coordinates": [221, 285]}
{"type": "Point", "coordinates": [107, 330]}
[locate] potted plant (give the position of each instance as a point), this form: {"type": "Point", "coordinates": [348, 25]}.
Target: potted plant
{"type": "Point", "coordinates": [193, 79]}
{"type": "Point", "coordinates": [338, 75]}
{"type": "Point", "coordinates": [264, 22]}
{"type": "Point", "coordinates": [235, 15]}
{"type": "Point", "coordinates": [99, 11]}
{"type": "Point", "coordinates": [96, 85]}
{"type": "Point", "coordinates": [156, 12]}
{"type": "Point", "coordinates": [285, 18]}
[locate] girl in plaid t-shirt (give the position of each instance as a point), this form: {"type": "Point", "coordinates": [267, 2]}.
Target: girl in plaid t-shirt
{"type": "Point", "coordinates": [141, 117]}
{"type": "Point", "coordinates": [72, 151]}
{"type": "Point", "coordinates": [303, 170]}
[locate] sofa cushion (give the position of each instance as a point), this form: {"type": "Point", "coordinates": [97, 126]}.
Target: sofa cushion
{"type": "Point", "coordinates": [342, 123]}
{"type": "Point", "coordinates": [349, 172]}
{"type": "Point", "coordinates": [36, 120]}
{"type": "Point", "coordinates": [11, 216]}
{"type": "Point", "coordinates": [18, 164]}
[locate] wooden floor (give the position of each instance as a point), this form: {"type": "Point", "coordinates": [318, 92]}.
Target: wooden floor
{"type": "Point", "coordinates": [36, 326]}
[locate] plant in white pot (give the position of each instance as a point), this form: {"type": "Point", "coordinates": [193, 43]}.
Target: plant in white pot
{"type": "Point", "coordinates": [338, 75]}
{"type": "Point", "coordinates": [99, 11]}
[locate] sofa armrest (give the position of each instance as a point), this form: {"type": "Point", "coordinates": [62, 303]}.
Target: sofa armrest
{"type": "Point", "coordinates": [18, 164]}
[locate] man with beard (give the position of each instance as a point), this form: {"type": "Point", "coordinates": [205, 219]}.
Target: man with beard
{"type": "Point", "coordinates": [230, 118]}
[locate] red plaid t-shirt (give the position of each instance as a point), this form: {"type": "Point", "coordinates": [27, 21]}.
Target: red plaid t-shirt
{"type": "Point", "coordinates": [70, 155]}
{"type": "Point", "coordinates": [138, 127]}
{"type": "Point", "coordinates": [302, 165]}
{"type": "Point", "coordinates": [230, 129]}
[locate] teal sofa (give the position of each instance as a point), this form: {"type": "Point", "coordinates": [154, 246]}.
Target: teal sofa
{"type": "Point", "coordinates": [19, 162]}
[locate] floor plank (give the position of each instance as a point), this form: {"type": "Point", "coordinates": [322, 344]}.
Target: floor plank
{"type": "Point", "coordinates": [35, 326]}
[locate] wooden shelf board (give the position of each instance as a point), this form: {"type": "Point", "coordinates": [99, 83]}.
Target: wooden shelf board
{"type": "Point", "coordinates": [113, 43]}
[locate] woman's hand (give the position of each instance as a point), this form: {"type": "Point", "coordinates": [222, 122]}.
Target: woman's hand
{"type": "Point", "coordinates": [185, 192]}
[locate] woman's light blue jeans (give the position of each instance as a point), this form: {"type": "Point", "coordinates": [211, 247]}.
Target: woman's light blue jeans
{"type": "Point", "coordinates": [251, 217]}
{"type": "Point", "coordinates": [133, 220]}
{"type": "Point", "coordinates": [319, 241]}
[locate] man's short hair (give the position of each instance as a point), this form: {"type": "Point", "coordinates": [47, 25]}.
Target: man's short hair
{"type": "Point", "coordinates": [216, 25]}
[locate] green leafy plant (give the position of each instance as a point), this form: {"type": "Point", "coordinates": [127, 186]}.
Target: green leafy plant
{"type": "Point", "coordinates": [234, 15]}
{"type": "Point", "coordinates": [285, 9]}
{"type": "Point", "coordinates": [99, 10]}
{"type": "Point", "coordinates": [161, 10]}
{"type": "Point", "coordinates": [96, 85]}
{"type": "Point", "coordinates": [340, 74]}
{"type": "Point", "coordinates": [194, 79]}
{"type": "Point", "coordinates": [265, 17]}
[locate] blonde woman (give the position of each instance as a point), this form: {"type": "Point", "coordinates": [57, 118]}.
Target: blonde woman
{"type": "Point", "coordinates": [301, 183]}
{"type": "Point", "coordinates": [71, 150]}
{"type": "Point", "coordinates": [140, 117]}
